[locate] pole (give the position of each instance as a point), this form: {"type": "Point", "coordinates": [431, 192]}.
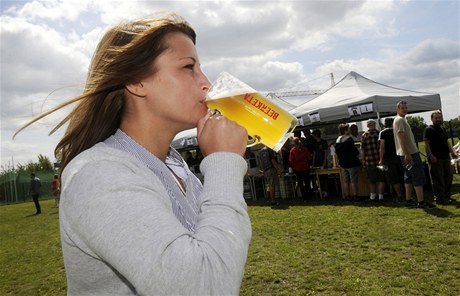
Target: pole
{"type": "Point", "coordinates": [10, 181]}
{"type": "Point", "coordinates": [451, 133]}
{"type": "Point", "coordinates": [5, 188]}
{"type": "Point", "coordinates": [14, 177]}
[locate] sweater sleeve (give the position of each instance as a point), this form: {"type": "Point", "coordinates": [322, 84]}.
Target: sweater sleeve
{"type": "Point", "coordinates": [121, 215]}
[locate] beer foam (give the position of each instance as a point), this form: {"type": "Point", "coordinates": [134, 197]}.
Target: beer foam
{"type": "Point", "coordinates": [229, 93]}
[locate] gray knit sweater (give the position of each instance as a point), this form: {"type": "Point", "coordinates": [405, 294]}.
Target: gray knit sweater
{"type": "Point", "coordinates": [120, 236]}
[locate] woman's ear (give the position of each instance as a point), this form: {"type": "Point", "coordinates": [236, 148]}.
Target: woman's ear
{"type": "Point", "coordinates": [136, 88]}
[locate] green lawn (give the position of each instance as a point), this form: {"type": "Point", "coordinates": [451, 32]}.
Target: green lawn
{"type": "Point", "coordinates": [324, 247]}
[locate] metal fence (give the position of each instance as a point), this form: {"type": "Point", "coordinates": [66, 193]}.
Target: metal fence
{"type": "Point", "coordinates": [14, 187]}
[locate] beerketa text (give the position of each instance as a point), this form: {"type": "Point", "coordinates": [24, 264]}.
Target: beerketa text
{"type": "Point", "coordinates": [261, 106]}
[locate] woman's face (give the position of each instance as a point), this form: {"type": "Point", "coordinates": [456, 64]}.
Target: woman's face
{"type": "Point", "coordinates": [176, 92]}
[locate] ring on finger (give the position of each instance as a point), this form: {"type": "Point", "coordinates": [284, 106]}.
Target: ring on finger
{"type": "Point", "coordinates": [215, 113]}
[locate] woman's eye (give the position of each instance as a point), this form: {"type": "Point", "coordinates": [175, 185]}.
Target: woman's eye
{"type": "Point", "coordinates": [190, 66]}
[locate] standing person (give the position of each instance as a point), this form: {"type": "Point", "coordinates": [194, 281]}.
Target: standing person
{"type": "Point", "coordinates": [389, 159]}
{"type": "Point", "coordinates": [370, 148]}
{"type": "Point", "coordinates": [354, 133]}
{"type": "Point", "coordinates": [310, 142]}
{"type": "Point", "coordinates": [406, 149]}
{"type": "Point", "coordinates": [298, 160]}
{"type": "Point", "coordinates": [272, 171]}
{"type": "Point", "coordinates": [348, 158]}
{"type": "Point", "coordinates": [320, 153]}
{"type": "Point", "coordinates": [285, 150]}
{"type": "Point", "coordinates": [298, 134]}
{"type": "Point", "coordinates": [134, 219]}
{"type": "Point", "coordinates": [56, 189]}
{"type": "Point", "coordinates": [320, 159]}
{"type": "Point", "coordinates": [34, 191]}
{"type": "Point", "coordinates": [333, 156]}
{"type": "Point", "coordinates": [438, 149]}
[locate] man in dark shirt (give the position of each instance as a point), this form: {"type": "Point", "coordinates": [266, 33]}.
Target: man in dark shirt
{"type": "Point", "coordinates": [438, 149]}
{"type": "Point", "coordinates": [320, 153]}
{"type": "Point", "coordinates": [272, 170]}
{"type": "Point", "coordinates": [34, 190]}
{"type": "Point", "coordinates": [389, 160]}
{"type": "Point", "coordinates": [310, 141]}
{"type": "Point", "coordinates": [347, 155]}
{"type": "Point", "coordinates": [320, 159]}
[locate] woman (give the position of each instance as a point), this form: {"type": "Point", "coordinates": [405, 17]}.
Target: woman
{"type": "Point", "coordinates": [298, 160]}
{"type": "Point", "coordinates": [133, 218]}
{"type": "Point", "coordinates": [348, 157]}
{"type": "Point", "coordinates": [56, 189]}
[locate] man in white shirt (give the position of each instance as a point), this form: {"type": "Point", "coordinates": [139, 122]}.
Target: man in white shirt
{"type": "Point", "coordinates": [406, 149]}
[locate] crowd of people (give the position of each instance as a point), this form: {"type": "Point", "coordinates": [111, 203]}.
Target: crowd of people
{"type": "Point", "coordinates": [389, 158]}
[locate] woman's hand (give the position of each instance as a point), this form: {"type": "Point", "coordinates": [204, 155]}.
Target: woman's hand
{"type": "Point", "coordinates": [218, 133]}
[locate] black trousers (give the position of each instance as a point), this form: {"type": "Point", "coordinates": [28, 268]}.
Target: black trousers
{"type": "Point", "coordinates": [303, 181]}
{"type": "Point", "coordinates": [37, 204]}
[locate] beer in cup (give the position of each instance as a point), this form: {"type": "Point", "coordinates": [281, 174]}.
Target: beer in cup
{"type": "Point", "coordinates": [264, 121]}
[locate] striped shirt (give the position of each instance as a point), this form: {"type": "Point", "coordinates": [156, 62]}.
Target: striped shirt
{"type": "Point", "coordinates": [185, 205]}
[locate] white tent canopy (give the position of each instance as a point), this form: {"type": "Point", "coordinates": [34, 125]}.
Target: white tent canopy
{"type": "Point", "coordinates": [185, 139]}
{"type": "Point", "coordinates": [354, 98]}
{"type": "Point", "coordinates": [357, 98]}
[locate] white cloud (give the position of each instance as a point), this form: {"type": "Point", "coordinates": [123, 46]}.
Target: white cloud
{"type": "Point", "coordinates": [36, 60]}
{"type": "Point", "coordinates": [52, 10]}
{"type": "Point", "coordinates": [430, 66]}
{"type": "Point", "coordinates": [271, 45]}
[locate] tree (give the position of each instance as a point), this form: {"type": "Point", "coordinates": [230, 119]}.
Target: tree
{"type": "Point", "coordinates": [453, 127]}
{"type": "Point", "coordinates": [416, 122]}
{"type": "Point", "coordinates": [31, 167]}
{"type": "Point", "coordinates": [418, 125]}
{"type": "Point", "coordinates": [44, 163]}
{"type": "Point", "coordinates": [454, 123]}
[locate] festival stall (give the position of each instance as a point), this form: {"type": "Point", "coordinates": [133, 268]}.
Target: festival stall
{"type": "Point", "coordinates": [357, 98]}
{"type": "Point", "coordinates": [354, 98]}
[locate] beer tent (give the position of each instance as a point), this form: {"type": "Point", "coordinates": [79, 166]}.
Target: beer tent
{"type": "Point", "coordinates": [185, 139]}
{"type": "Point", "coordinates": [354, 98]}
{"type": "Point", "coordinates": [357, 98]}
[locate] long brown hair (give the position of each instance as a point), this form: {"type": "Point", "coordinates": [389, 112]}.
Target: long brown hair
{"type": "Point", "coordinates": [124, 55]}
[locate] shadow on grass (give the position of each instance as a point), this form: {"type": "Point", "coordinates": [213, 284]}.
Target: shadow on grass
{"type": "Point", "coordinates": [35, 215]}
{"type": "Point", "coordinates": [285, 204]}
{"type": "Point", "coordinates": [440, 213]}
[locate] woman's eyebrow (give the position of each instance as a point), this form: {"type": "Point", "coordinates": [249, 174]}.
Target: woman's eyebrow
{"type": "Point", "coordinates": [192, 58]}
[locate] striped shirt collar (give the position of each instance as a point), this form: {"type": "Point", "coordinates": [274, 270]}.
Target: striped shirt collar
{"type": "Point", "coordinates": [185, 205]}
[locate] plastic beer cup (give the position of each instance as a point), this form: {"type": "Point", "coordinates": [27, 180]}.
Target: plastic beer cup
{"type": "Point", "coordinates": [265, 121]}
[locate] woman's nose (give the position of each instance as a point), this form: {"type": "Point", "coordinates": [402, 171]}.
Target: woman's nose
{"type": "Point", "coordinates": [206, 83]}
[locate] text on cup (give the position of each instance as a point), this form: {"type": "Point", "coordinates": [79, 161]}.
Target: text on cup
{"type": "Point", "coordinates": [261, 106]}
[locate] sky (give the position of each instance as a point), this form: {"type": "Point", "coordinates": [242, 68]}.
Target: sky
{"type": "Point", "coordinates": [46, 48]}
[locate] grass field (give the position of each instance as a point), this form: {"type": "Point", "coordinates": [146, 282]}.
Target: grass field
{"type": "Point", "coordinates": [324, 247]}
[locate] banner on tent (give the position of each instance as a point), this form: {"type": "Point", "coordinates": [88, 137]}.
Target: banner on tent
{"type": "Point", "coordinates": [357, 110]}
{"type": "Point", "coordinates": [314, 117]}
{"type": "Point", "coordinates": [189, 142]}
